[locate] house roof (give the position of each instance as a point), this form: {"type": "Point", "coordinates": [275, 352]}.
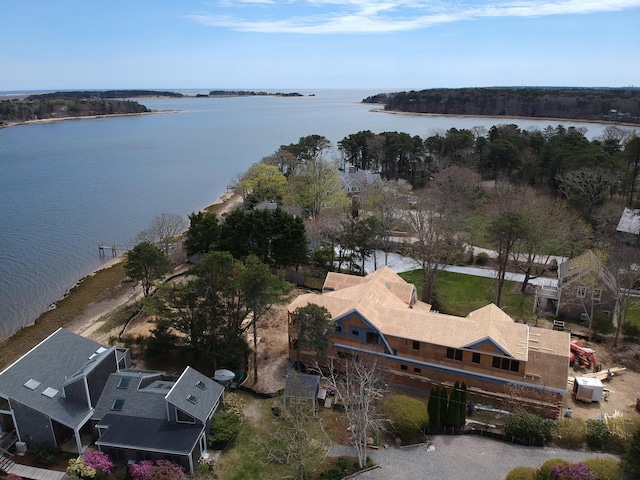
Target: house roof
{"type": "Point", "coordinates": [151, 434]}
{"type": "Point", "coordinates": [195, 394]}
{"type": "Point", "coordinates": [629, 222]}
{"type": "Point", "coordinates": [33, 379]}
{"type": "Point", "coordinates": [301, 386]}
{"type": "Point", "coordinates": [135, 394]}
{"type": "Point", "coordinates": [381, 299]}
{"type": "Point", "coordinates": [582, 266]}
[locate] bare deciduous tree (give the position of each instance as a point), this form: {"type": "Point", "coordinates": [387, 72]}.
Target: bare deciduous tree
{"type": "Point", "coordinates": [359, 387]}
{"type": "Point", "coordinates": [163, 230]}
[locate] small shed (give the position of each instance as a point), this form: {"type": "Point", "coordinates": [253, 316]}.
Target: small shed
{"type": "Point", "coordinates": [301, 388]}
{"type": "Point", "coordinates": [588, 389]}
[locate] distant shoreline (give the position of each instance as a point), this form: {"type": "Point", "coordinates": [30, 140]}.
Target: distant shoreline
{"type": "Point", "coordinates": [506, 117]}
{"type": "Point", "coordinates": [83, 117]}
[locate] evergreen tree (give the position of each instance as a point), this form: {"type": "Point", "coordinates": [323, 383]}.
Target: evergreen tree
{"type": "Point", "coordinates": [433, 408]}
{"type": "Point", "coordinates": [463, 404]}
{"type": "Point", "coordinates": [444, 402]}
{"type": "Point", "coordinates": [631, 458]}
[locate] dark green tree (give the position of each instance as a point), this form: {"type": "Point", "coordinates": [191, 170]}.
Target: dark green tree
{"type": "Point", "coordinates": [203, 233]}
{"type": "Point", "coordinates": [313, 325]}
{"type": "Point", "coordinates": [433, 408]}
{"type": "Point", "coordinates": [631, 457]}
{"type": "Point", "coordinates": [444, 405]}
{"type": "Point", "coordinates": [146, 263]}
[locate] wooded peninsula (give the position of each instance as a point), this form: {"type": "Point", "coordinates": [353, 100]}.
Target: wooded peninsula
{"type": "Point", "coordinates": [594, 104]}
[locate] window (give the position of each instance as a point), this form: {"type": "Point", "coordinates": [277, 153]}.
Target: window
{"type": "Point", "coordinates": [582, 291]}
{"type": "Point", "coordinates": [403, 367]}
{"type": "Point", "coordinates": [118, 403]}
{"type": "Point", "coordinates": [416, 345]}
{"type": "Point", "coordinates": [417, 370]}
{"type": "Point", "coordinates": [355, 332]}
{"type": "Point", "coordinates": [454, 353]}
{"type": "Point", "coordinates": [597, 294]}
{"type": "Point", "coordinates": [123, 383]}
{"type": "Point", "coordinates": [506, 364]}
{"type": "Point", "coordinates": [338, 328]}
{"type": "Point", "coordinates": [50, 392]}
{"type": "Point", "coordinates": [201, 385]}
{"type": "Point", "coordinates": [475, 358]}
{"type": "Point", "coordinates": [373, 338]}
{"type": "Point", "coordinates": [32, 384]}
{"type": "Point", "coordinates": [192, 399]}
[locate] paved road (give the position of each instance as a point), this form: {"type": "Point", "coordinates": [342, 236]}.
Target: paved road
{"type": "Point", "coordinates": [460, 457]}
{"type": "Point", "coordinates": [399, 263]}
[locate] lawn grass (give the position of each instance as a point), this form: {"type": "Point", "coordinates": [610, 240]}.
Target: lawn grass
{"type": "Point", "coordinates": [459, 294]}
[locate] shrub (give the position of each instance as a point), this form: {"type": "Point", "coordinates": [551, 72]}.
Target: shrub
{"type": "Point", "coordinates": [597, 434]}
{"type": "Point", "coordinates": [43, 453]}
{"type": "Point", "coordinates": [141, 470]}
{"type": "Point", "coordinates": [166, 470]}
{"type": "Point", "coordinates": [631, 458]}
{"type": "Point", "coordinates": [570, 432]}
{"type": "Point", "coordinates": [572, 471]}
{"type": "Point", "coordinates": [224, 426]}
{"type": "Point", "coordinates": [528, 426]}
{"type": "Point", "coordinates": [78, 468]}
{"type": "Point", "coordinates": [482, 259]}
{"type": "Point", "coordinates": [407, 415]}
{"type": "Point", "coordinates": [233, 403]}
{"type": "Point", "coordinates": [604, 468]}
{"type": "Point", "coordinates": [544, 472]}
{"type": "Point", "coordinates": [13, 476]}
{"type": "Point", "coordinates": [98, 460]}
{"type": "Point", "coordinates": [521, 473]}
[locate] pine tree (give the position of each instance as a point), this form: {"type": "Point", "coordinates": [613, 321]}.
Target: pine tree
{"type": "Point", "coordinates": [452, 409]}
{"type": "Point", "coordinates": [433, 408]}
{"type": "Point", "coordinates": [631, 458]}
{"type": "Point", "coordinates": [444, 402]}
{"type": "Point", "coordinates": [463, 404]}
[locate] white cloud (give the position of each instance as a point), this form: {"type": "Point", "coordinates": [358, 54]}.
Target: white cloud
{"type": "Point", "coordinates": [371, 16]}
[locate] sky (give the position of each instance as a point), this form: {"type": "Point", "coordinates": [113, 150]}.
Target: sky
{"type": "Point", "coordinates": [314, 44]}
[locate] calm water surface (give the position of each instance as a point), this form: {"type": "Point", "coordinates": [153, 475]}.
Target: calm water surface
{"type": "Point", "coordinates": [67, 186]}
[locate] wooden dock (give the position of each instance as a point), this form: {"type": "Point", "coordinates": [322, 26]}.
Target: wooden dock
{"type": "Point", "coordinates": [26, 472]}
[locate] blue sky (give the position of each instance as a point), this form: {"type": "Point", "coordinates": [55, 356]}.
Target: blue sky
{"type": "Point", "coordinates": [307, 44]}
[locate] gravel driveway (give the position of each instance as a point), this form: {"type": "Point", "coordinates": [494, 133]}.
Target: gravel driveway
{"type": "Point", "coordinates": [460, 457]}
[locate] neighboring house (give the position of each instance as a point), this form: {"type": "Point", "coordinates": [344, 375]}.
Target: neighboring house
{"type": "Point", "coordinates": [69, 391]}
{"type": "Point", "coordinates": [353, 181]}
{"type": "Point", "coordinates": [584, 288]}
{"type": "Point", "coordinates": [629, 226]}
{"type": "Point", "coordinates": [416, 348]}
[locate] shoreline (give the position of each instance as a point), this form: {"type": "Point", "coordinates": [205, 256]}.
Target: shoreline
{"type": "Point", "coordinates": [85, 319]}
{"type": "Point", "coordinates": [506, 117]}
{"type": "Point", "coordinates": [85, 117]}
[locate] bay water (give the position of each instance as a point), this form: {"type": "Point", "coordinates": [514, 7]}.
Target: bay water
{"type": "Point", "coordinates": [67, 186]}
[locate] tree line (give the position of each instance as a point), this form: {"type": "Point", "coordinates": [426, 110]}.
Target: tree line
{"type": "Point", "coordinates": [619, 104]}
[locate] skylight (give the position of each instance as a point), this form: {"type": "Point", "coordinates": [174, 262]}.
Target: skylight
{"type": "Point", "coordinates": [100, 350]}
{"type": "Point", "coordinates": [192, 399]}
{"type": "Point", "coordinates": [123, 383]}
{"type": "Point", "coordinates": [201, 385]}
{"type": "Point", "coordinates": [118, 403]}
{"type": "Point", "coordinates": [50, 392]}
{"type": "Point", "coordinates": [32, 384]}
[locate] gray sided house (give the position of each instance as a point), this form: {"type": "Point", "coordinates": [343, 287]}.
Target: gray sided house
{"type": "Point", "coordinates": [143, 416]}
{"type": "Point", "coordinates": [49, 394]}
{"type": "Point", "coordinates": [68, 390]}
{"type": "Point", "coordinates": [585, 285]}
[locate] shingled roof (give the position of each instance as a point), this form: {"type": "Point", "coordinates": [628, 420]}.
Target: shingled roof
{"type": "Point", "coordinates": [37, 378]}
{"type": "Point", "coordinates": [383, 299]}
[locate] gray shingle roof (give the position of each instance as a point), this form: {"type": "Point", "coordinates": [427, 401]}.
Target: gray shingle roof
{"type": "Point", "coordinates": [52, 362]}
{"type": "Point", "coordinates": [149, 434]}
{"type": "Point", "coordinates": [195, 400]}
{"type": "Point", "coordinates": [146, 402]}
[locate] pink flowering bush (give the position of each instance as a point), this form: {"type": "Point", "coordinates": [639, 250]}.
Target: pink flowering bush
{"type": "Point", "coordinates": [572, 471]}
{"type": "Point", "coordinates": [141, 470]}
{"type": "Point", "coordinates": [13, 476]}
{"type": "Point", "coordinates": [98, 460]}
{"type": "Point", "coordinates": [158, 470]}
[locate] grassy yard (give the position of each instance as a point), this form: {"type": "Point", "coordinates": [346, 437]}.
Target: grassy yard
{"type": "Point", "coordinates": [459, 294]}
